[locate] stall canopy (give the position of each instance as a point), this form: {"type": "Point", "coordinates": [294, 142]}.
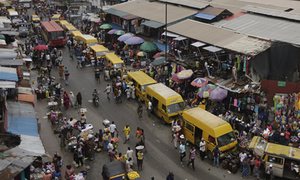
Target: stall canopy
{"type": "Point", "coordinates": [7, 84]}
{"type": "Point", "coordinates": [212, 49]}
{"type": "Point", "coordinates": [152, 24]}
{"type": "Point", "coordinates": [8, 74]}
{"type": "Point", "coordinates": [21, 119]}
{"type": "Point", "coordinates": [9, 62]}
{"type": "Point", "coordinates": [157, 11]}
{"type": "Point", "coordinates": [198, 44]}
{"type": "Point", "coordinates": [29, 98]}
{"type": "Point", "coordinates": [219, 37]}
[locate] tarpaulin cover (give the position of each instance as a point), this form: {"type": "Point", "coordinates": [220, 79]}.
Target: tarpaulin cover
{"type": "Point", "coordinates": [21, 119]}
{"type": "Point", "coordinates": [113, 169]}
{"type": "Point", "coordinates": [8, 74]}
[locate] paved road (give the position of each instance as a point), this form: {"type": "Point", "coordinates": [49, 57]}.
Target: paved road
{"type": "Point", "coordinates": [160, 158]}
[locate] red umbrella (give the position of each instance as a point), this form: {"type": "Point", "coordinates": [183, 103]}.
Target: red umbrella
{"type": "Point", "coordinates": [159, 54]}
{"type": "Point", "coordinates": [40, 47]}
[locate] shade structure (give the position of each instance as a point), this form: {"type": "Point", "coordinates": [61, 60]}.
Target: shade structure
{"type": "Point", "coordinates": [40, 47]}
{"type": "Point", "coordinates": [199, 82]}
{"type": "Point", "coordinates": [134, 40]}
{"type": "Point", "coordinates": [185, 74]}
{"type": "Point", "coordinates": [158, 61]}
{"type": "Point", "coordinates": [119, 32]}
{"type": "Point", "coordinates": [112, 31]}
{"type": "Point", "coordinates": [205, 91]}
{"type": "Point", "coordinates": [105, 26]}
{"type": "Point", "coordinates": [218, 94]}
{"type": "Point", "coordinates": [148, 47]}
{"type": "Point", "coordinates": [159, 54]}
{"type": "Point", "coordinates": [2, 37]}
{"type": "Point", "coordinates": [141, 54]}
{"type": "Point", "coordinates": [124, 37]}
{"type": "Point", "coordinates": [175, 78]}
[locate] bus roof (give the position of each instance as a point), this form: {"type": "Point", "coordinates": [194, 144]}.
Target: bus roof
{"type": "Point", "coordinates": [63, 22]}
{"type": "Point", "coordinates": [167, 95]}
{"type": "Point", "coordinates": [55, 16]}
{"type": "Point", "coordinates": [113, 58]}
{"type": "Point", "coordinates": [51, 26]}
{"type": "Point", "coordinates": [70, 27]}
{"type": "Point", "coordinates": [284, 151]}
{"type": "Point", "coordinates": [12, 12]}
{"type": "Point", "coordinates": [212, 124]}
{"type": "Point", "coordinates": [76, 33]}
{"type": "Point", "coordinates": [141, 78]}
{"type": "Point", "coordinates": [98, 48]}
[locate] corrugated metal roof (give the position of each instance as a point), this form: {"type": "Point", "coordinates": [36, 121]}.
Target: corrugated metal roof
{"type": "Point", "coordinates": [205, 16]}
{"type": "Point", "coordinates": [219, 37]}
{"type": "Point", "coordinates": [264, 28]}
{"type": "Point", "coordinates": [8, 74]}
{"type": "Point", "coordinates": [188, 3]}
{"type": "Point", "coordinates": [152, 24]}
{"type": "Point", "coordinates": [212, 11]}
{"type": "Point", "coordinates": [10, 62]}
{"type": "Point", "coordinates": [116, 12]}
{"type": "Point", "coordinates": [7, 84]}
{"type": "Point", "coordinates": [154, 11]}
{"type": "Point", "coordinates": [272, 12]}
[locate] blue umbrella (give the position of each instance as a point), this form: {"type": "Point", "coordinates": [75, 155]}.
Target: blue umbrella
{"type": "Point", "coordinates": [124, 37]}
{"type": "Point", "coordinates": [159, 61]}
{"type": "Point", "coordinates": [134, 40]}
{"type": "Point", "coordinates": [218, 94]}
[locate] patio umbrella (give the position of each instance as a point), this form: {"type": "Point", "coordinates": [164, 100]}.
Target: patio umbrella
{"type": "Point", "coordinates": [205, 91]}
{"type": "Point", "coordinates": [134, 40]}
{"type": "Point", "coordinates": [175, 78]}
{"type": "Point", "coordinates": [218, 94]}
{"type": "Point", "coordinates": [119, 32]}
{"type": "Point", "coordinates": [141, 54]}
{"type": "Point", "coordinates": [112, 31]}
{"type": "Point", "coordinates": [185, 74]}
{"type": "Point", "coordinates": [40, 47]}
{"type": "Point", "coordinates": [148, 46]}
{"type": "Point", "coordinates": [199, 82]}
{"type": "Point", "coordinates": [158, 61]}
{"type": "Point", "coordinates": [124, 37]}
{"type": "Point", "coordinates": [159, 54]}
{"type": "Point", "coordinates": [105, 26]}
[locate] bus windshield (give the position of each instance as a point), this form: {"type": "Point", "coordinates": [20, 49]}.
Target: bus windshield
{"type": "Point", "coordinates": [226, 139]}
{"type": "Point", "coordinates": [56, 35]}
{"type": "Point", "coordinates": [173, 108]}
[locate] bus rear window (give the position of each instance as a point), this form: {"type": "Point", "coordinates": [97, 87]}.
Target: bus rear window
{"type": "Point", "coordinates": [56, 35]}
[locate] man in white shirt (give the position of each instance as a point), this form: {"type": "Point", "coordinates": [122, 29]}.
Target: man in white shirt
{"type": "Point", "coordinates": [112, 129]}
{"type": "Point", "coordinates": [242, 156]}
{"type": "Point", "coordinates": [149, 108]}
{"type": "Point", "coordinates": [129, 153]}
{"type": "Point", "coordinates": [182, 151]}
{"type": "Point", "coordinates": [110, 146]}
{"type": "Point", "coordinates": [108, 90]}
{"type": "Point", "coordinates": [202, 148]}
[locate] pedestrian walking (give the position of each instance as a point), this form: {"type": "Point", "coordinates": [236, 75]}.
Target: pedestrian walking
{"type": "Point", "coordinates": [216, 154]}
{"type": "Point", "coordinates": [113, 129]}
{"type": "Point", "coordinates": [107, 91]}
{"type": "Point", "coordinates": [79, 99]}
{"type": "Point", "coordinates": [149, 108]}
{"type": "Point", "coordinates": [192, 157]}
{"type": "Point", "coordinates": [256, 169]}
{"type": "Point", "coordinates": [140, 110]}
{"type": "Point", "coordinates": [67, 75]}
{"type": "Point", "coordinates": [182, 151]}
{"type": "Point", "coordinates": [170, 176]}
{"type": "Point", "coordinates": [175, 139]}
{"type": "Point", "coordinates": [140, 158]}
{"type": "Point", "coordinates": [269, 172]}
{"type": "Point", "coordinates": [70, 172]}
{"type": "Point", "coordinates": [245, 167]}
{"type": "Point", "coordinates": [202, 148]}
{"type": "Point", "coordinates": [129, 153]}
{"type": "Point", "coordinates": [126, 132]}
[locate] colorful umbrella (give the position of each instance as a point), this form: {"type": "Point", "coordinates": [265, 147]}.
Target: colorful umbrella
{"type": "Point", "coordinates": [141, 54]}
{"type": "Point", "coordinates": [148, 46]}
{"type": "Point", "coordinates": [119, 32]}
{"type": "Point", "coordinates": [175, 78]}
{"type": "Point", "coordinates": [206, 90]}
{"type": "Point", "coordinates": [40, 47]}
{"type": "Point", "coordinates": [159, 61]}
{"type": "Point", "coordinates": [218, 94]}
{"type": "Point", "coordinates": [199, 82]}
{"type": "Point", "coordinates": [185, 74]}
{"type": "Point", "coordinates": [124, 37]}
{"type": "Point", "coordinates": [105, 26]}
{"type": "Point", "coordinates": [134, 40]}
{"type": "Point", "coordinates": [112, 31]}
{"type": "Point", "coordinates": [159, 54]}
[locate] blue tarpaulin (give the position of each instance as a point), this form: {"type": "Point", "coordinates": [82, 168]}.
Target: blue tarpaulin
{"type": "Point", "coordinates": [205, 16]}
{"type": "Point", "coordinates": [8, 74]}
{"type": "Point", "coordinates": [21, 119]}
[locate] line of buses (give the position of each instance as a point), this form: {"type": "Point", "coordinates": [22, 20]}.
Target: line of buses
{"type": "Point", "coordinates": [167, 104]}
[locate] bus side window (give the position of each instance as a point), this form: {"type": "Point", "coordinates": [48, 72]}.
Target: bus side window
{"type": "Point", "coordinates": [276, 160]}
{"type": "Point", "coordinates": [211, 139]}
{"type": "Point", "coordinates": [164, 107]}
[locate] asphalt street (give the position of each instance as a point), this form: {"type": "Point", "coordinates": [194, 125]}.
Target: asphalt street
{"type": "Point", "coordinates": [161, 156]}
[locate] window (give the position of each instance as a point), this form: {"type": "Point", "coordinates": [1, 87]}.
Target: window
{"type": "Point", "coordinates": [164, 108]}
{"type": "Point", "coordinates": [226, 139]}
{"type": "Point", "coordinates": [173, 108]}
{"type": "Point", "coordinates": [275, 160]}
{"type": "Point", "coordinates": [189, 126]}
{"type": "Point", "coordinates": [211, 139]}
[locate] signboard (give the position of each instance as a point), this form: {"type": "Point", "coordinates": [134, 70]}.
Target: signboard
{"type": "Point", "coordinates": [281, 83]}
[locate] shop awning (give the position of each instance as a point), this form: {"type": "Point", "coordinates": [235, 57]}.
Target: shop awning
{"type": "Point", "coordinates": [9, 62]}
{"type": "Point", "coordinates": [8, 74]}
{"type": "Point", "coordinates": [152, 24]}
{"type": "Point", "coordinates": [169, 34]}
{"type": "Point", "coordinates": [32, 144]}
{"type": "Point", "coordinates": [162, 46]}
{"type": "Point", "coordinates": [21, 119]}
{"type": "Point", "coordinates": [116, 12]}
{"type": "Point", "coordinates": [130, 17]}
{"type": "Point", "coordinates": [29, 98]}
{"type": "Point", "coordinates": [180, 38]}
{"type": "Point", "coordinates": [212, 49]}
{"type": "Point", "coordinates": [198, 44]}
{"type": "Point", "coordinates": [7, 84]}
{"type": "Point", "coordinates": [24, 90]}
